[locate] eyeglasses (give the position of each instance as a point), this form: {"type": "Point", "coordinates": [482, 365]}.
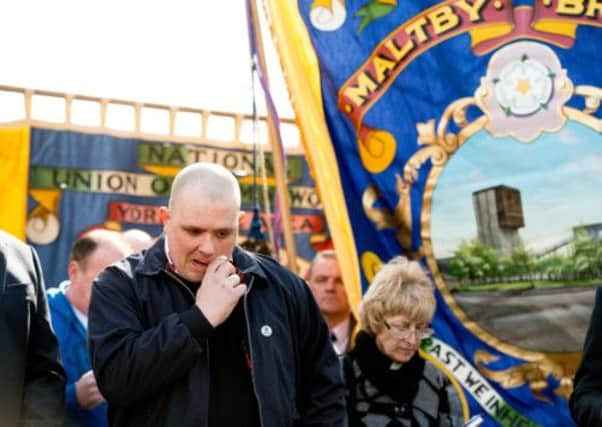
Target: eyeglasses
{"type": "Point", "coordinates": [404, 333]}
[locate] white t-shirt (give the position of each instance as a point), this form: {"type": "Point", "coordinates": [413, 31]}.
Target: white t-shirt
{"type": "Point", "coordinates": [341, 333]}
{"type": "Point", "coordinates": [81, 317]}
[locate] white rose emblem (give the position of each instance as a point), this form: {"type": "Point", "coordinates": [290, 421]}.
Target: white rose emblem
{"type": "Point", "coordinates": [524, 87]}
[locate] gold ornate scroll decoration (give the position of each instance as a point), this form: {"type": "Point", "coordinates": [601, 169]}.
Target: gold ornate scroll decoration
{"type": "Point", "coordinates": [400, 219]}
{"type": "Point", "coordinates": [534, 374]}
{"type": "Point", "coordinates": [437, 146]}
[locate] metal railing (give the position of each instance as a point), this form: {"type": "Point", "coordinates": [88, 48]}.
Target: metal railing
{"type": "Point", "coordinates": [199, 126]}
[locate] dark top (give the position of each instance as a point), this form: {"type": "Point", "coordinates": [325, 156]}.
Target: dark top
{"type": "Point", "coordinates": [380, 393]}
{"type": "Point", "coordinates": [32, 381]}
{"type": "Point", "coordinates": [151, 348]}
{"type": "Point", "coordinates": [230, 371]}
{"type": "Point", "coordinates": [377, 367]}
{"type": "Point", "coordinates": [586, 400]}
{"type": "Point", "coordinates": [230, 379]}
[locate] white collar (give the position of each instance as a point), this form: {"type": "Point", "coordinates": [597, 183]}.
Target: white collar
{"type": "Point", "coordinates": [341, 333]}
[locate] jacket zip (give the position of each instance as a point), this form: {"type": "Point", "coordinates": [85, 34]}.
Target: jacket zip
{"type": "Point", "coordinates": [251, 348]}
{"type": "Point", "coordinates": [182, 285]}
{"type": "Point", "coordinates": [208, 388]}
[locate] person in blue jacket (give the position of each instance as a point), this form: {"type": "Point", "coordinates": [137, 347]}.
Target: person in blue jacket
{"type": "Point", "coordinates": [90, 254]}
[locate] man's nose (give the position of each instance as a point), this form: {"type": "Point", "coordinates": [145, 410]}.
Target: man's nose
{"type": "Point", "coordinates": [330, 285]}
{"type": "Point", "coordinates": [206, 245]}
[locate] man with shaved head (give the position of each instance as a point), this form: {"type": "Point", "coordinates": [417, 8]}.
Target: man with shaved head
{"type": "Point", "coordinates": [198, 332]}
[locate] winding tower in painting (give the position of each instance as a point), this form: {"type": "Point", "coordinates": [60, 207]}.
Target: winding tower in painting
{"type": "Point", "coordinates": [499, 215]}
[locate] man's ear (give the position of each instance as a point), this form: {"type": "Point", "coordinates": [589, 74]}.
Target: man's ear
{"type": "Point", "coordinates": [307, 274]}
{"type": "Point", "coordinates": [164, 215]}
{"type": "Point", "coordinates": [72, 269]}
{"type": "Point", "coordinates": [239, 218]}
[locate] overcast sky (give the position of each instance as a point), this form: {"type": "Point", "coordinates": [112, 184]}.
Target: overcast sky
{"type": "Point", "coordinates": [188, 53]}
{"type": "Point", "coordinates": [559, 176]}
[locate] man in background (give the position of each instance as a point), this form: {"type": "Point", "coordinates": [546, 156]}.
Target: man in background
{"type": "Point", "coordinates": [326, 283]}
{"type": "Point", "coordinates": [32, 380]}
{"type": "Point", "coordinates": [90, 254]}
{"type": "Point", "coordinates": [138, 240]}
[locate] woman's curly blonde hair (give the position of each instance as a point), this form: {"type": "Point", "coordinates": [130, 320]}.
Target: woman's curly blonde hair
{"type": "Point", "coordinates": [400, 287]}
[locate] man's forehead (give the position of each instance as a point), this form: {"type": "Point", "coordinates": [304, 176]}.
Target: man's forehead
{"type": "Point", "coordinates": [192, 197]}
{"type": "Point", "coordinates": [209, 191]}
{"type": "Point", "coordinates": [208, 197]}
{"type": "Point", "coordinates": [325, 267]}
{"type": "Point", "coordinates": [205, 214]}
{"type": "Point", "coordinates": [326, 263]}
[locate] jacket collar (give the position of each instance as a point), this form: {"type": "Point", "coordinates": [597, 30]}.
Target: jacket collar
{"type": "Point", "coordinates": [247, 263]}
{"type": "Point", "coordinates": [154, 261]}
{"type": "Point", "coordinates": [57, 298]}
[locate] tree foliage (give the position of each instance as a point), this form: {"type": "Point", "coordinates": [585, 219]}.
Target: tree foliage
{"type": "Point", "coordinates": [475, 263]}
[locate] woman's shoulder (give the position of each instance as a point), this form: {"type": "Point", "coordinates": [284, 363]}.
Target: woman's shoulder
{"type": "Point", "coordinates": [434, 376]}
{"type": "Point", "coordinates": [433, 373]}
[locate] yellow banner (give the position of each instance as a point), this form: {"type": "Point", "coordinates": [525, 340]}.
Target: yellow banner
{"type": "Point", "coordinates": [14, 170]}
{"type": "Point", "coordinates": [301, 66]}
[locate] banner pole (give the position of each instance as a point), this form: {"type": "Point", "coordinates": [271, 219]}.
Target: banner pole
{"type": "Point", "coordinates": [277, 150]}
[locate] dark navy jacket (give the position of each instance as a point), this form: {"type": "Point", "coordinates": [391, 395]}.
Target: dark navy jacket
{"type": "Point", "coordinates": [73, 343]}
{"type": "Point", "coordinates": [32, 380]}
{"type": "Point", "coordinates": [151, 360]}
{"type": "Point", "coordinates": [586, 400]}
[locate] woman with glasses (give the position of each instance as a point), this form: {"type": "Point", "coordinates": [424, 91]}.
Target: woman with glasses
{"type": "Point", "coordinates": [388, 383]}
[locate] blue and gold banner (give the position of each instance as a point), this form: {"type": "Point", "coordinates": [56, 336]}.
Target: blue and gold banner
{"type": "Point", "coordinates": [80, 181]}
{"type": "Point", "coordinates": [464, 134]}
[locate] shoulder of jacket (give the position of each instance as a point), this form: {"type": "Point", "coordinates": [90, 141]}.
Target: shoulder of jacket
{"type": "Point", "coordinates": [59, 306]}
{"type": "Point", "coordinates": [434, 376]}
{"type": "Point", "coordinates": [272, 269]}
{"type": "Point", "coordinates": [122, 271]}
{"type": "Point", "coordinates": [126, 266]}
{"type": "Point", "coordinates": [52, 293]}
{"type": "Point", "coordinates": [267, 263]}
{"type": "Point", "coordinates": [16, 252]}
{"type": "Point", "coordinates": [8, 240]}
{"type": "Point", "coordinates": [56, 299]}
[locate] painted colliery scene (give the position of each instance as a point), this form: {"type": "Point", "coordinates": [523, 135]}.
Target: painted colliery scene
{"type": "Point", "coordinates": [517, 234]}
